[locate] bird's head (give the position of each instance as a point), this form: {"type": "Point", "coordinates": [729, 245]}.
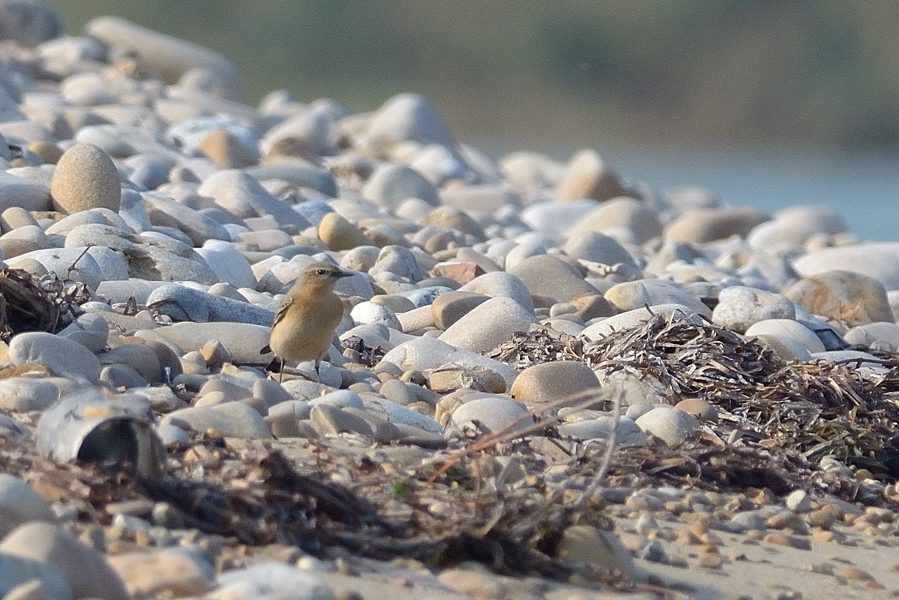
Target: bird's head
{"type": "Point", "coordinates": [322, 275]}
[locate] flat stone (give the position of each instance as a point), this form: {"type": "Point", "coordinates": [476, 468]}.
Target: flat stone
{"type": "Point", "coordinates": [619, 215]}
{"type": "Point", "coordinates": [633, 295]}
{"type": "Point", "coordinates": [597, 247]}
{"type": "Point", "coordinates": [240, 194]}
{"type": "Point", "coordinates": [24, 394]}
{"type": "Point", "coordinates": [585, 543]}
{"type": "Point", "coordinates": [636, 318]}
{"type": "Point", "coordinates": [270, 580]}
{"type": "Point", "coordinates": [787, 327]}
{"type": "Point", "coordinates": [242, 340]}
{"type": "Point", "coordinates": [90, 330]}
{"type": "Point", "coordinates": [149, 257]}
{"type": "Point", "coordinates": [409, 117]}
{"type": "Point", "coordinates": [878, 336]}
{"type": "Point", "coordinates": [27, 579]}
{"type": "Point", "coordinates": [397, 263]}
{"type": "Point", "coordinates": [199, 227]}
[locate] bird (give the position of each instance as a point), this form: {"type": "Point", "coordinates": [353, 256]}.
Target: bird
{"type": "Point", "coordinates": [307, 317]}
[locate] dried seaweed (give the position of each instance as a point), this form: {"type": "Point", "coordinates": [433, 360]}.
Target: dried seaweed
{"type": "Point", "coordinates": [815, 408]}
{"type": "Point", "coordinates": [28, 303]}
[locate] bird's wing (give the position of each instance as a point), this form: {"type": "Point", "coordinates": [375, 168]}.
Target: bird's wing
{"type": "Point", "coordinates": [285, 303]}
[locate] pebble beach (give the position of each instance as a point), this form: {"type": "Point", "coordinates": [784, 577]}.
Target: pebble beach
{"type": "Point", "coordinates": [551, 381]}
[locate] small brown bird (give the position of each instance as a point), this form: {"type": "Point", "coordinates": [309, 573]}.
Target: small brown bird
{"type": "Point", "coordinates": [307, 316]}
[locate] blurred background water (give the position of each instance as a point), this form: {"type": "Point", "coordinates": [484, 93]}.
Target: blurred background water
{"type": "Point", "coordinates": [766, 103]}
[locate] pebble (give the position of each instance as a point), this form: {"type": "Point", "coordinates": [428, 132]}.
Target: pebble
{"type": "Point", "coordinates": [595, 546]}
{"type": "Point", "coordinates": [669, 424]}
{"type": "Point", "coordinates": [85, 177]}
{"type": "Point", "coordinates": [493, 414]}
{"type": "Point", "coordinates": [741, 307]}
{"type": "Point", "coordinates": [173, 572]}
{"type": "Point", "coordinates": [561, 383]}
{"type": "Point", "coordinates": [230, 419]}
{"type": "Point", "coordinates": [182, 303]}
{"type": "Point", "coordinates": [85, 569]}
{"type": "Point", "coordinates": [451, 306]}
{"type": "Point", "coordinates": [24, 394]}
{"type": "Point", "coordinates": [708, 224]}
{"type": "Point", "coordinates": [634, 295]}
{"type": "Point", "coordinates": [62, 356]}
{"type": "Point", "coordinates": [20, 503]}
{"type": "Point", "coordinates": [270, 580]}
{"type": "Point", "coordinates": [552, 277]}
{"type": "Point", "coordinates": [851, 297]}
{"type": "Point", "coordinates": [488, 325]}
{"type": "Point", "coordinates": [588, 176]}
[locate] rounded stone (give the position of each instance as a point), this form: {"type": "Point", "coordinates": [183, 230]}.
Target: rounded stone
{"type": "Point", "coordinates": [85, 569]}
{"type": "Point", "coordinates": [787, 328]}
{"type": "Point", "coordinates": [851, 297]}
{"type": "Point", "coordinates": [500, 283]}
{"type": "Point", "coordinates": [740, 307]}
{"type": "Point", "coordinates": [488, 325]}
{"type": "Point", "coordinates": [390, 185]}
{"type": "Point", "coordinates": [669, 424]}
{"type": "Point", "coordinates": [709, 224]}
{"type": "Point", "coordinates": [621, 214]}
{"type": "Point", "coordinates": [450, 307]}
{"type": "Point", "coordinates": [597, 247]}
{"type": "Point", "coordinates": [63, 356]}
{"type": "Point", "coordinates": [633, 295]}
{"type": "Point", "coordinates": [588, 176]}
{"type": "Point", "coordinates": [20, 503]}
{"type": "Point", "coordinates": [551, 277]}
{"type": "Point", "coordinates": [339, 234]}
{"type": "Point", "coordinates": [85, 178]}
{"type": "Point", "coordinates": [24, 394]}
{"type": "Point", "coordinates": [493, 414]}
{"type": "Point", "coordinates": [373, 312]}
{"type": "Point", "coordinates": [562, 383]}
{"type": "Point", "coordinates": [585, 543]}
{"type": "Point", "coordinates": [699, 408]}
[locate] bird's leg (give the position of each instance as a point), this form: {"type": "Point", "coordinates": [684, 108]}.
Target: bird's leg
{"type": "Point", "coordinates": [281, 372]}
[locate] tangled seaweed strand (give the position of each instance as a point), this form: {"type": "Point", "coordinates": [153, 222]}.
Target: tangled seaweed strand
{"type": "Point", "coordinates": [815, 408]}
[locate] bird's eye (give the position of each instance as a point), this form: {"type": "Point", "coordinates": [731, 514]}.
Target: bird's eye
{"type": "Point", "coordinates": [321, 272]}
